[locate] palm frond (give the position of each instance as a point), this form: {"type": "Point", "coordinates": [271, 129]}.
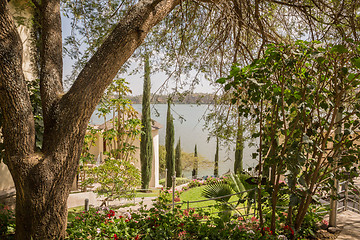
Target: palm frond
{"type": "Point", "coordinates": [237, 185]}
{"type": "Point", "coordinates": [217, 189]}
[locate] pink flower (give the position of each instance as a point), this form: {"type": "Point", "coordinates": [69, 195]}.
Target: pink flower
{"type": "Point", "coordinates": [325, 222]}
{"type": "Point", "coordinates": [254, 219]}
{"type": "Point", "coordinates": [182, 234]}
{"type": "Point", "coordinates": [128, 215]}
{"type": "Point", "coordinates": [197, 216]}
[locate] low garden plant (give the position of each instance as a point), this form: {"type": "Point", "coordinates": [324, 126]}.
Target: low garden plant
{"type": "Point", "coordinates": [7, 222]}
{"type": "Point", "coordinates": [160, 222]}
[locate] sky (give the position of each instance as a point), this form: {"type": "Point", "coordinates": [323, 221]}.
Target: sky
{"type": "Point", "coordinates": [135, 81]}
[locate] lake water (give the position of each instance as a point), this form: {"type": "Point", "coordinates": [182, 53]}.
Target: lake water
{"type": "Point", "coordinates": [191, 132]}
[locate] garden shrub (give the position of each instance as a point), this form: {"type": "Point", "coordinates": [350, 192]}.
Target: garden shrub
{"type": "Point", "coordinates": [7, 221]}
{"type": "Point", "coordinates": [159, 224]}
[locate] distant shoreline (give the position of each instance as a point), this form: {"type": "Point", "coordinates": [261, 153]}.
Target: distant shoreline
{"type": "Point", "coordinates": [194, 98]}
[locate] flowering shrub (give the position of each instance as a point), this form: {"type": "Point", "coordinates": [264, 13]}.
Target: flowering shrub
{"type": "Point", "coordinates": [7, 221]}
{"type": "Point", "coordinates": [159, 224]}
{"type": "Point", "coordinates": [165, 198]}
{"type": "Point", "coordinates": [195, 183]}
{"type": "Point", "coordinates": [209, 180]}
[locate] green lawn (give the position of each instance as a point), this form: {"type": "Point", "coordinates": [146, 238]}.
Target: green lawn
{"type": "Point", "coordinates": [194, 194]}
{"type": "Point", "coordinates": [72, 211]}
{"type": "Point", "coordinates": [153, 193]}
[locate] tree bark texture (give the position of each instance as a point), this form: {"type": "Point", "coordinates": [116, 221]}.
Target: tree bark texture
{"type": "Point", "coordinates": [43, 179]}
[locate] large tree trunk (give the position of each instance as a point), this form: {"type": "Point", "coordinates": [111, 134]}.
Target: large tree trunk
{"type": "Point", "coordinates": [43, 179]}
{"type": "Point", "coordinates": [41, 209]}
{"type": "Point", "coordinates": [42, 188]}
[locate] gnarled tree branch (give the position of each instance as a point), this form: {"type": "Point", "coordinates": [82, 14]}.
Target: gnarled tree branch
{"type": "Point", "coordinates": [18, 128]}
{"type": "Point", "coordinates": [51, 62]}
{"type": "Point", "coordinates": [101, 69]}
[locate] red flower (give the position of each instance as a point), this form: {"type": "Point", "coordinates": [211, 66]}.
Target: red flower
{"type": "Point", "coordinates": [115, 237]}
{"type": "Point", "coordinates": [137, 237]}
{"type": "Point", "coordinates": [289, 228]}
{"type": "Point", "coordinates": [111, 214]}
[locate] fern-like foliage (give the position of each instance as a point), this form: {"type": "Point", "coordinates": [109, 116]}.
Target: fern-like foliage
{"type": "Point", "coordinates": [217, 189]}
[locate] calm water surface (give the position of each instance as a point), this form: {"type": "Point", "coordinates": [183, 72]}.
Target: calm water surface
{"type": "Point", "coordinates": [189, 124]}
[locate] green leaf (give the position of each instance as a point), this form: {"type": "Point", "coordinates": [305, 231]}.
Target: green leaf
{"type": "Point", "coordinates": [227, 87]}
{"type": "Point", "coordinates": [355, 62]}
{"type": "Point", "coordinates": [294, 200]}
{"type": "Point", "coordinates": [339, 49]}
{"type": "Point", "coordinates": [221, 80]}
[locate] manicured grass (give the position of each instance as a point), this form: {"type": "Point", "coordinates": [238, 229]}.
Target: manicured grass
{"type": "Point", "coordinates": [72, 211]}
{"type": "Point", "coordinates": [153, 193]}
{"type": "Point", "coordinates": [194, 194]}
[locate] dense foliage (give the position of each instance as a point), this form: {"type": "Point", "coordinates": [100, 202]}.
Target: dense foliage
{"type": "Point", "coordinates": [216, 161]}
{"type": "Point", "coordinates": [195, 170]}
{"type": "Point", "coordinates": [117, 175]}
{"type": "Point", "coordinates": [146, 143]}
{"type": "Point", "coordinates": [305, 100]}
{"type": "Point", "coordinates": [178, 164]}
{"type": "Point", "coordinates": [159, 222]}
{"type": "Point", "coordinates": [169, 146]}
{"type": "Point", "coordinates": [7, 221]}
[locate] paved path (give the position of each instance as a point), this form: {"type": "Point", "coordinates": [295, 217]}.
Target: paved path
{"type": "Point", "coordinates": [350, 222]}
{"type": "Point", "coordinates": [78, 199]}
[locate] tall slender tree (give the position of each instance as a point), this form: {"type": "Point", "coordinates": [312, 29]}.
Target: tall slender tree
{"type": "Point", "coordinates": [178, 165]}
{"type": "Point", "coordinates": [239, 149]}
{"type": "Point", "coordinates": [216, 164]}
{"type": "Point", "coordinates": [43, 177]}
{"type": "Point", "coordinates": [146, 143]}
{"type": "Point", "coordinates": [196, 164]}
{"type": "Point", "coordinates": [169, 146]}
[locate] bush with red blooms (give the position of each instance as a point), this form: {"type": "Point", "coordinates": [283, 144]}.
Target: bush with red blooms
{"type": "Point", "coordinates": [160, 222]}
{"type": "Point", "coordinates": [163, 224]}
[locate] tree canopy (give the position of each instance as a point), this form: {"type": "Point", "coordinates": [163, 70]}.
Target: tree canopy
{"type": "Point", "coordinates": [201, 36]}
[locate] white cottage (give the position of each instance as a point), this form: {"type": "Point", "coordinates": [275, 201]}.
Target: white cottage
{"type": "Point", "coordinates": [100, 147]}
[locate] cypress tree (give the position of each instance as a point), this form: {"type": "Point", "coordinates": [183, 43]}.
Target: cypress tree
{"type": "Point", "coordinates": [196, 164]}
{"type": "Point", "coordinates": [178, 167]}
{"type": "Point", "coordinates": [169, 146]}
{"type": "Point", "coordinates": [216, 165]}
{"type": "Point", "coordinates": [146, 143]}
{"type": "Point", "coordinates": [238, 164]}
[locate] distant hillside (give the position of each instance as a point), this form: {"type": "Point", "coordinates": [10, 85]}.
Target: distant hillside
{"type": "Point", "coordinates": [194, 98]}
